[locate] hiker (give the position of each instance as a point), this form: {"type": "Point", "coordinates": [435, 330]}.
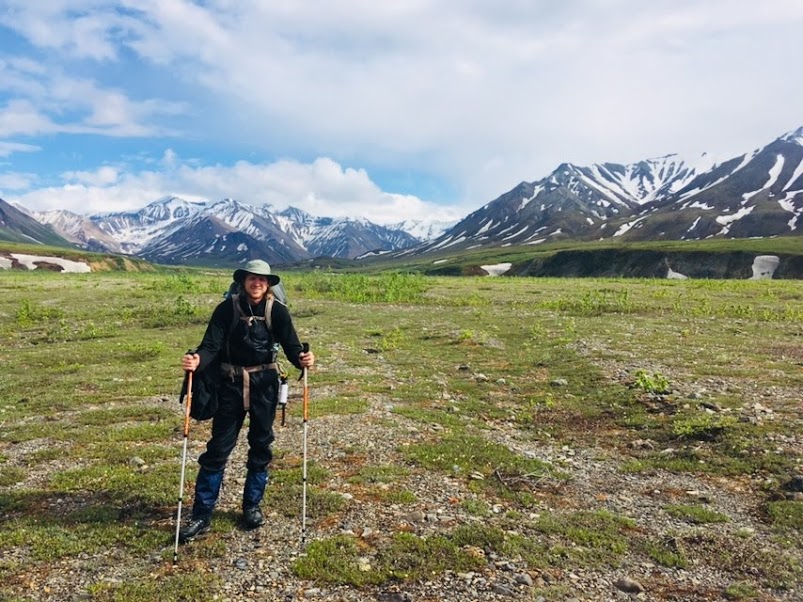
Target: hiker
{"type": "Point", "coordinates": [242, 341]}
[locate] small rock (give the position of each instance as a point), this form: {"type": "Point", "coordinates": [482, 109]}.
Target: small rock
{"type": "Point", "coordinates": [524, 579]}
{"type": "Point", "coordinates": [502, 590]}
{"type": "Point", "coordinates": [794, 484]}
{"type": "Point", "coordinates": [394, 597]}
{"type": "Point", "coordinates": [628, 585]}
{"type": "Point", "coordinates": [560, 382]}
{"type": "Point", "coordinates": [416, 517]}
{"type": "Point", "coordinates": [241, 563]}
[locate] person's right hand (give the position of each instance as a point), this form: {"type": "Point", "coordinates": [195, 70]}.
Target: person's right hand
{"type": "Point", "coordinates": [190, 361]}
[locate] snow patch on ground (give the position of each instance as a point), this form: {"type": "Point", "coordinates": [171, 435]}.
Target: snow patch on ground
{"type": "Point", "coordinates": [497, 269]}
{"type": "Point", "coordinates": [764, 267]}
{"type": "Point", "coordinates": [30, 261]}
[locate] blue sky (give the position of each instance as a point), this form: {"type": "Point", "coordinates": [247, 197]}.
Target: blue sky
{"type": "Point", "coordinates": [385, 110]}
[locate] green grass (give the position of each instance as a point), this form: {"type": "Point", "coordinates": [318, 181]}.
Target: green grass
{"type": "Point", "coordinates": [787, 517]}
{"type": "Point", "coordinates": [90, 380]}
{"type": "Point", "coordinates": [407, 558]}
{"type": "Point", "coordinates": [167, 588]}
{"type": "Point", "coordinates": [492, 465]}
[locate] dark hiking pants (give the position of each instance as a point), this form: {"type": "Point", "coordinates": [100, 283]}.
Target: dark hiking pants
{"type": "Point", "coordinates": [226, 426]}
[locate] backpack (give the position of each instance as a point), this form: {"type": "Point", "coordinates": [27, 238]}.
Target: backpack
{"type": "Point", "coordinates": [204, 390]}
{"type": "Point", "coordinates": [205, 384]}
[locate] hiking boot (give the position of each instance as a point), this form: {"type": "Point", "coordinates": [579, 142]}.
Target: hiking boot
{"type": "Point", "coordinates": [252, 517]}
{"type": "Point", "coordinates": [194, 528]}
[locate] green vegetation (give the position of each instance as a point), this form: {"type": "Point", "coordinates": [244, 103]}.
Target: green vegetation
{"type": "Point", "coordinates": [500, 387]}
{"type": "Point", "coordinates": [696, 514]}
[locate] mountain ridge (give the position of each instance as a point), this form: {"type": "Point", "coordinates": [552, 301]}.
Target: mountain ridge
{"type": "Point", "coordinates": [666, 198]}
{"type": "Point", "coordinates": [756, 194]}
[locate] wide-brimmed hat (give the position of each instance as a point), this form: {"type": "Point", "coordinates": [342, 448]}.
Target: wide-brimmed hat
{"type": "Point", "coordinates": [258, 267]}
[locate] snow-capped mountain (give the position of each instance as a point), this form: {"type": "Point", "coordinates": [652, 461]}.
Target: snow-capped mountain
{"type": "Point", "coordinates": [354, 237]}
{"type": "Point", "coordinates": [172, 230]}
{"type": "Point", "coordinates": [757, 194]}
{"type": "Point", "coordinates": [134, 230]}
{"type": "Point", "coordinates": [79, 230]}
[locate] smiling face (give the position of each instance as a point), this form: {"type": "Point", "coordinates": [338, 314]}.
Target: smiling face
{"type": "Point", "coordinates": [255, 287]}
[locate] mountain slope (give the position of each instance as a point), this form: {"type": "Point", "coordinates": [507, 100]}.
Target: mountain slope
{"type": "Point", "coordinates": [759, 194]}
{"type": "Point", "coordinates": [208, 240]}
{"type": "Point", "coordinates": [79, 230]}
{"type": "Point", "coordinates": [16, 226]}
{"type": "Point", "coordinates": [756, 194]}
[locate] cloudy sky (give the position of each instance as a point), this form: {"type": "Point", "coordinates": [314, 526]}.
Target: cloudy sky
{"type": "Point", "coordinates": [388, 110]}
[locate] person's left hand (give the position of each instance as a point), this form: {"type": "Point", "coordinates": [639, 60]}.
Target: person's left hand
{"type": "Point", "coordinates": [307, 360]}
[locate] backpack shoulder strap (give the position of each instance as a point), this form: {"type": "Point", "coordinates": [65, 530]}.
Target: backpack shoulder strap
{"type": "Point", "coordinates": [268, 312]}
{"type": "Point", "coordinates": [238, 314]}
{"type": "Point", "coordinates": [236, 311]}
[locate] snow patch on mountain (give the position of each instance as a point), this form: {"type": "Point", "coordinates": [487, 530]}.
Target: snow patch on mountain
{"type": "Point", "coordinates": [774, 172]}
{"type": "Point", "coordinates": [795, 137]}
{"type": "Point", "coordinates": [423, 229]}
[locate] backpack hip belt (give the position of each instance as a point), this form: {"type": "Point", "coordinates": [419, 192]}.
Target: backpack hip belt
{"type": "Point", "coordinates": [246, 372]}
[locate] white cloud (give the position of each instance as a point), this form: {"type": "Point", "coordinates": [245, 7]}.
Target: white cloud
{"type": "Point", "coordinates": [478, 95]}
{"type": "Point", "coordinates": [15, 181]}
{"type": "Point", "coordinates": [322, 187]}
{"type": "Point", "coordinates": [22, 117]}
{"type": "Point", "coordinates": [6, 148]}
{"type": "Point", "coordinates": [104, 176]}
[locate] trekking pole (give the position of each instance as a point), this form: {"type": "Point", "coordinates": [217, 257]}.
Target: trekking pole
{"type": "Point", "coordinates": [187, 405]}
{"type": "Point", "coordinates": [305, 411]}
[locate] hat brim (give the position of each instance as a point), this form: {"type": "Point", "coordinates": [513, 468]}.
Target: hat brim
{"type": "Point", "coordinates": [239, 276]}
